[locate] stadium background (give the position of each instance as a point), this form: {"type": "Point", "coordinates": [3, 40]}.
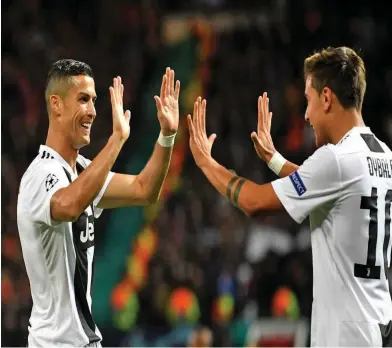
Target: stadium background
{"type": "Point", "coordinates": [192, 260]}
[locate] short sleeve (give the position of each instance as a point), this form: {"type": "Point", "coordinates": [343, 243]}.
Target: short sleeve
{"type": "Point", "coordinates": [39, 188]}
{"type": "Point", "coordinates": [97, 211]}
{"type": "Point", "coordinates": [316, 182]}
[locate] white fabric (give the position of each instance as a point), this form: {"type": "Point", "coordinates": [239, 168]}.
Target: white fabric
{"type": "Point", "coordinates": [166, 141]}
{"type": "Point", "coordinates": [328, 188]}
{"type": "Point", "coordinates": [50, 254]}
{"type": "Point", "coordinates": [276, 163]}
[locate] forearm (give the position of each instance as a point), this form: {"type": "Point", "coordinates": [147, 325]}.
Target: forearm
{"type": "Point", "coordinates": [287, 168]}
{"type": "Point", "coordinates": [70, 202]}
{"type": "Point", "coordinates": [153, 175]}
{"type": "Point", "coordinates": [248, 196]}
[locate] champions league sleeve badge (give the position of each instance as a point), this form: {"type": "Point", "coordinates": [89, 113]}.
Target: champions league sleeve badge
{"type": "Point", "coordinates": [51, 180]}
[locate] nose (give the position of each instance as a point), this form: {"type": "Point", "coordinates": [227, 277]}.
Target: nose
{"type": "Point", "coordinates": [91, 111]}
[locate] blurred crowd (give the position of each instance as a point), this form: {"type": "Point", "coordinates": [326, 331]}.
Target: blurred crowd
{"type": "Point", "coordinates": [205, 244]}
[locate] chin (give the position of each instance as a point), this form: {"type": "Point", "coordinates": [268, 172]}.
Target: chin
{"type": "Point", "coordinates": [320, 142]}
{"type": "Point", "coordinates": [81, 143]}
{"type": "Point", "coordinates": [317, 140]}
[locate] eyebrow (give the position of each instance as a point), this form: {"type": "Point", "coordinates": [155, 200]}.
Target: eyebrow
{"type": "Point", "coordinates": [94, 97]}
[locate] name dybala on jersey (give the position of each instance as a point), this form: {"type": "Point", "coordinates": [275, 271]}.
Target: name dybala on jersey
{"type": "Point", "coordinates": [346, 189]}
{"type": "Point", "coordinates": [58, 255]}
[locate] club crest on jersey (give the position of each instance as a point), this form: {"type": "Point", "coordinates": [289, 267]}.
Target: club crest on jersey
{"type": "Point", "coordinates": [51, 180]}
{"type": "Point", "coordinates": [298, 183]}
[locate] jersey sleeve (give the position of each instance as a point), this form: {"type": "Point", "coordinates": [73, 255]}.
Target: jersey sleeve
{"type": "Point", "coordinates": [315, 183]}
{"type": "Point", "coordinates": [85, 162]}
{"type": "Point", "coordinates": [44, 182]}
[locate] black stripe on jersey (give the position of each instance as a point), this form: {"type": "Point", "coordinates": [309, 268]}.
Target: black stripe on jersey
{"type": "Point", "coordinates": [386, 334]}
{"type": "Point", "coordinates": [79, 169]}
{"type": "Point", "coordinates": [372, 143]}
{"type": "Point", "coordinates": [370, 270]}
{"type": "Point", "coordinates": [81, 269]}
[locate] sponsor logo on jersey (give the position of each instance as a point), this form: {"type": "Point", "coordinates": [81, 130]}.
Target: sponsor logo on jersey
{"type": "Point", "coordinates": [51, 180]}
{"type": "Point", "coordinates": [83, 230]}
{"type": "Point", "coordinates": [298, 183]}
{"type": "Point", "coordinates": [88, 233]}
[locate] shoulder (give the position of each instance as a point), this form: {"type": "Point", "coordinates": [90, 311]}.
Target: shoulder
{"type": "Point", "coordinates": [41, 171]}
{"type": "Point", "coordinates": [385, 147]}
{"type": "Point", "coordinates": [323, 156]}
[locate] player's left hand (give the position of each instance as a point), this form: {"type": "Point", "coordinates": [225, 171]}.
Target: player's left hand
{"type": "Point", "coordinates": [167, 104]}
{"type": "Point", "coordinates": [199, 143]}
{"type": "Point", "coordinates": [262, 140]}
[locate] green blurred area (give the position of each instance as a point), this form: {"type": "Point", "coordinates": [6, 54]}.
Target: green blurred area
{"type": "Point", "coordinates": [125, 223]}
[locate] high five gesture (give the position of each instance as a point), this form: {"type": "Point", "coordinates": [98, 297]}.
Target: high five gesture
{"type": "Point", "coordinates": [120, 119]}
{"type": "Point", "coordinates": [167, 104]}
{"type": "Point", "coordinates": [262, 139]}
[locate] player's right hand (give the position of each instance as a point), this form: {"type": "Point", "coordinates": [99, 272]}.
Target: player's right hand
{"type": "Point", "coordinates": [262, 140]}
{"type": "Point", "coordinates": [121, 127]}
{"type": "Point", "coordinates": [199, 143]}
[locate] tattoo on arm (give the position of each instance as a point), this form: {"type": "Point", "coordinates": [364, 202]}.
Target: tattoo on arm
{"type": "Point", "coordinates": [230, 186]}
{"type": "Point", "coordinates": [237, 191]}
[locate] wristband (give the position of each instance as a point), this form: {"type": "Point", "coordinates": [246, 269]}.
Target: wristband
{"type": "Point", "coordinates": [276, 163]}
{"type": "Point", "coordinates": [166, 141]}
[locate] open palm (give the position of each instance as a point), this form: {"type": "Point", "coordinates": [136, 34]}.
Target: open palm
{"type": "Point", "coordinates": [167, 103]}
{"type": "Point", "coordinates": [262, 140]}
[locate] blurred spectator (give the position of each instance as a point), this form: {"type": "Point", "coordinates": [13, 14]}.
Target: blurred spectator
{"type": "Point", "coordinates": [201, 338]}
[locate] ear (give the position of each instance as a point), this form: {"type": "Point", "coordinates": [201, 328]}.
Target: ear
{"type": "Point", "coordinates": [56, 104]}
{"type": "Point", "coordinates": [326, 96]}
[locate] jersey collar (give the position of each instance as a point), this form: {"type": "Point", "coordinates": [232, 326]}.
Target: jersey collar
{"type": "Point", "coordinates": [360, 130]}
{"type": "Point", "coordinates": [50, 152]}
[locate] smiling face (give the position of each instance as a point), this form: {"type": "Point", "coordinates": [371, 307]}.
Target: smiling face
{"type": "Point", "coordinates": [75, 110]}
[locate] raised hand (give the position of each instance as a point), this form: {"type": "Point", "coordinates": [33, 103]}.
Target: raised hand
{"type": "Point", "coordinates": [262, 140]}
{"type": "Point", "coordinates": [199, 143]}
{"type": "Point", "coordinates": [121, 120]}
{"type": "Point", "coordinates": [167, 104]}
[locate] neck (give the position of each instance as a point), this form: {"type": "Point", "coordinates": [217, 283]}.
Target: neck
{"type": "Point", "coordinates": [58, 142]}
{"type": "Point", "coordinates": [343, 122]}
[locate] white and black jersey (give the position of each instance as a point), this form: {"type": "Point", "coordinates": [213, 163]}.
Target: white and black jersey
{"type": "Point", "coordinates": [58, 255]}
{"type": "Point", "coordinates": [346, 189]}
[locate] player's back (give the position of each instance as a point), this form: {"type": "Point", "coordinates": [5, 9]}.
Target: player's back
{"type": "Point", "coordinates": [351, 245]}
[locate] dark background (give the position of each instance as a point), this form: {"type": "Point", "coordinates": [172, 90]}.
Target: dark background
{"type": "Point", "coordinates": [202, 238]}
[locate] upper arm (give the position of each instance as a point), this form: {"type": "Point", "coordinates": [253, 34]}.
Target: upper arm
{"type": "Point", "coordinates": [315, 183]}
{"type": "Point", "coordinates": [122, 190]}
{"type": "Point", "coordinates": [254, 198]}
{"type": "Point", "coordinates": [39, 191]}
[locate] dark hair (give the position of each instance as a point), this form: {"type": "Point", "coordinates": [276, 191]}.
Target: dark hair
{"type": "Point", "coordinates": [62, 71]}
{"type": "Point", "coordinates": [342, 70]}
{"type": "Point", "coordinates": [68, 68]}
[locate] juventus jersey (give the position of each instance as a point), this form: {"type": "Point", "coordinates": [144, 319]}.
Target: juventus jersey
{"type": "Point", "coordinates": [58, 255]}
{"type": "Point", "coordinates": [346, 189]}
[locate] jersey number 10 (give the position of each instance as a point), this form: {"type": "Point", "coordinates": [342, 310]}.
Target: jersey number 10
{"type": "Point", "coordinates": [370, 270]}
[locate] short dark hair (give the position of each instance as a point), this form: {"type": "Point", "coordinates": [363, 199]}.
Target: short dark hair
{"type": "Point", "coordinates": [342, 70]}
{"type": "Point", "coordinates": [64, 70]}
